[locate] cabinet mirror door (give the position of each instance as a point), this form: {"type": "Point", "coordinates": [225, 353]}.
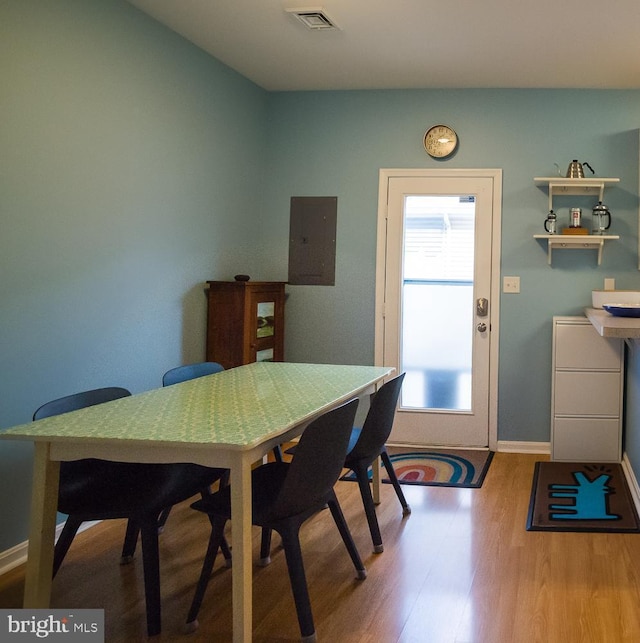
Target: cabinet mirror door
{"type": "Point", "coordinates": [266, 319]}
{"type": "Point", "coordinates": [265, 355]}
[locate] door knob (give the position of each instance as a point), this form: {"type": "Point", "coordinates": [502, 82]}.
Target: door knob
{"type": "Point", "coordinates": [482, 327]}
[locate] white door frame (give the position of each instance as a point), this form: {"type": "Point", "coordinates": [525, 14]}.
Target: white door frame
{"type": "Point", "coordinates": [494, 309]}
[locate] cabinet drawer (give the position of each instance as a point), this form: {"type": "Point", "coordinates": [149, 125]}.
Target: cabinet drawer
{"type": "Point", "coordinates": [590, 439]}
{"type": "Point", "coordinates": [578, 393]}
{"type": "Point", "coordinates": [580, 346]}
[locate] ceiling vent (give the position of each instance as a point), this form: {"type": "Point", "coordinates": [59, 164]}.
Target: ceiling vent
{"type": "Point", "coordinates": [316, 18]}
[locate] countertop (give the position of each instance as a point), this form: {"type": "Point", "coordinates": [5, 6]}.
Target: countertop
{"type": "Point", "coordinates": [609, 326]}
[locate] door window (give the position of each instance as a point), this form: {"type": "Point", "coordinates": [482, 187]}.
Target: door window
{"type": "Point", "coordinates": [438, 262]}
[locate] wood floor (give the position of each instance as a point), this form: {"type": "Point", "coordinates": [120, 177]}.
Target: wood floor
{"type": "Point", "coordinates": [461, 568]}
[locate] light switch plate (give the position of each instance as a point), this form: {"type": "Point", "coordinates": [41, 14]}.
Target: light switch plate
{"type": "Point", "coordinates": [511, 284]}
{"type": "Point", "coordinates": [609, 283]}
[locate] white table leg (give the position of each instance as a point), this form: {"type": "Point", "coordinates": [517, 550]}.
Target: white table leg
{"type": "Point", "coordinates": [44, 502]}
{"type": "Point", "coordinates": [241, 569]}
{"type": "Point", "coordinates": [375, 466]}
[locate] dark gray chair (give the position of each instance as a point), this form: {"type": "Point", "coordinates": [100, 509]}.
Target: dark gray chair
{"type": "Point", "coordinates": [284, 496]}
{"type": "Point", "coordinates": [93, 489]}
{"type": "Point", "coordinates": [367, 443]}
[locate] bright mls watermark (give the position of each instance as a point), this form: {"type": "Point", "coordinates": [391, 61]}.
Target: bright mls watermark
{"type": "Point", "coordinates": [52, 625]}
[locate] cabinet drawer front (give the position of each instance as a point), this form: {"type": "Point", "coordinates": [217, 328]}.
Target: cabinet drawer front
{"type": "Point", "coordinates": [580, 346]}
{"type": "Point", "coordinates": [590, 440]}
{"type": "Point", "coordinates": [578, 393]}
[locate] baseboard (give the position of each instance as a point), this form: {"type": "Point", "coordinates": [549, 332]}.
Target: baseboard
{"type": "Point", "coordinates": [432, 447]}
{"type": "Point", "coordinates": [16, 556]}
{"type": "Point", "coordinates": [505, 446]}
{"type": "Point", "coordinates": [632, 481]}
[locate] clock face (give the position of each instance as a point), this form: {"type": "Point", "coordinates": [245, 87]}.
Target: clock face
{"type": "Point", "coordinates": [440, 141]}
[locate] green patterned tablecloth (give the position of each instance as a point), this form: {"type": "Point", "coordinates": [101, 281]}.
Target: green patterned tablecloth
{"type": "Point", "coordinates": [240, 407]}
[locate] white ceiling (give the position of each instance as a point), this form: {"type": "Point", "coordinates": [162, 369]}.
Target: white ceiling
{"type": "Point", "coordinates": [417, 43]}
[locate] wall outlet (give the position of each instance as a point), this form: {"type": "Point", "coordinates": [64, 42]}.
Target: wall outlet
{"type": "Point", "coordinates": [609, 283]}
{"type": "Point", "coordinates": [511, 284]}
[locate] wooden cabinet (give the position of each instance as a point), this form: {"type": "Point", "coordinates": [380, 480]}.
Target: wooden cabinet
{"type": "Point", "coordinates": [586, 394]}
{"type": "Point", "coordinates": [245, 322]}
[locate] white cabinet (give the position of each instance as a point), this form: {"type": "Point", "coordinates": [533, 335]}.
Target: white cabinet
{"type": "Point", "coordinates": [586, 393]}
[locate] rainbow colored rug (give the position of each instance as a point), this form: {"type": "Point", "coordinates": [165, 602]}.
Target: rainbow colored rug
{"type": "Point", "coordinates": [437, 468]}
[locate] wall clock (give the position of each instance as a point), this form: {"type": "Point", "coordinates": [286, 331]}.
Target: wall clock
{"type": "Point", "coordinates": [440, 141]}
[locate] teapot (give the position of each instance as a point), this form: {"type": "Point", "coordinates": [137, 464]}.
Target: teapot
{"type": "Point", "coordinates": [576, 170]}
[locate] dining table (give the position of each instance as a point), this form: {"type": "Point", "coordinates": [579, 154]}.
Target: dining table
{"type": "Point", "coordinates": [231, 419]}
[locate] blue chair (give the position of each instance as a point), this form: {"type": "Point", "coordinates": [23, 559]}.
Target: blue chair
{"type": "Point", "coordinates": [284, 496]}
{"type": "Point", "coordinates": [190, 372]}
{"type": "Point", "coordinates": [367, 443]}
{"type": "Point", "coordinates": [93, 489]}
{"type": "Point", "coordinates": [176, 376]}
{"type": "Point", "coordinates": [171, 377]}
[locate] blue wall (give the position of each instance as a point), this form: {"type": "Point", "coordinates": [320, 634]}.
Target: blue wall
{"type": "Point", "coordinates": [131, 168]}
{"type": "Point", "coordinates": [333, 143]}
{"type": "Point", "coordinates": [135, 167]}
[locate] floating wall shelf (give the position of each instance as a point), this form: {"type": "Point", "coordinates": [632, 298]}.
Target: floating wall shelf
{"type": "Point", "coordinates": [559, 186]}
{"type": "Point", "coordinates": [576, 242]}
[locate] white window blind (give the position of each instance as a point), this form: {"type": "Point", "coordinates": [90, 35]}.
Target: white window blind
{"type": "Point", "coordinates": [439, 238]}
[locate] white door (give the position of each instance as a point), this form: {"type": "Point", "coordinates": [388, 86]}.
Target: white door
{"type": "Point", "coordinates": [437, 302]}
